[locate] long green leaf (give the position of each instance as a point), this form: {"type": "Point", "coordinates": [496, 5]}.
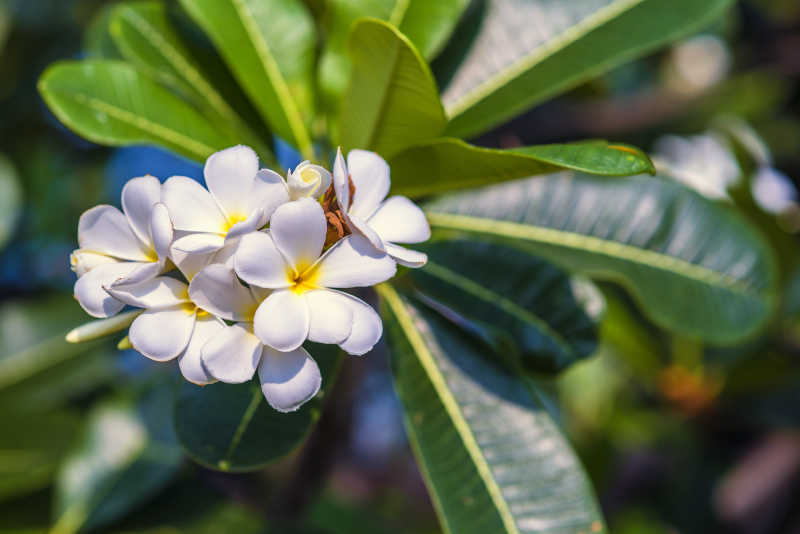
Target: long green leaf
{"type": "Point", "coordinates": [143, 33]}
{"type": "Point", "coordinates": [269, 46]}
{"type": "Point", "coordinates": [392, 100]}
{"type": "Point", "coordinates": [128, 452]}
{"type": "Point", "coordinates": [230, 427]}
{"type": "Point", "coordinates": [111, 103]}
{"type": "Point", "coordinates": [530, 50]}
{"type": "Point", "coordinates": [492, 458]}
{"type": "Point", "coordinates": [427, 24]}
{"type": "Point", "coordinates": [548, 315]}
{"type": "Point", "coordinates": [10, 199]}
{"type": "Point", "coordinates": [695, 267]}
{"type": "Point", "coordinates": [447, 164]}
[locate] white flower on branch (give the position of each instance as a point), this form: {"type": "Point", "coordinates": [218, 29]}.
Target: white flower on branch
{"type": "Point", "coordinates": [383, 223]}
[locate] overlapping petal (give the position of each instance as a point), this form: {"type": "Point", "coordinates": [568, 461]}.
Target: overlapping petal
{"type": "Point", "coordinates": [229, 176]}
{"type": "Point", "coordinates": [232, 355]}
{"type": "Point", "coordinates": [354, 262]}
{"type": "Point", "coordinates": [288, 379]}
{"type": "Point", "coordinates": [282, 320]}
{"type": "Point", "coordinates": [105, 229]}
{"type": "Point", "coordinates": [162, 334]}
{"type": "Point", "coordinates": [206, 327]}
{"type": "Point", "coordinates": [216, 290]}
{"type": "Point", "coordinates": [192, 207]}
{"type": "Point", "coordinates": [139, 196]}
{"type": "Point", "coordinates": [258, 261]}
{"type": "Point", "coordinates": [298, 229]}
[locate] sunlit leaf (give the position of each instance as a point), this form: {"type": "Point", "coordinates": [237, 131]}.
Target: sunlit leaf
{"type": "Point", "coordinates": [230, 427]}
{"type": "Point", "coordinates": [446, 164]}
{"type": "Point", "coordinates": [269, 46]}
{"type": "Point", "coordinates": [694, 266]}
{"type": "Point", "coordinates": [492, 458]}
{"type": "Point", "coordinates": [530, 50]}
{"type": "Point", "coordinates": [144, 35]}
{"type": "Point", "coordinates": [111, 103]}
{"type": "Point", "coordinates": [548, 316]}
{"type": "Point", "coordinates": [392, 101]}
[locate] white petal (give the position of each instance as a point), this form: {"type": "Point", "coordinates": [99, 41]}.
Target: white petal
{"type": "Point", "coordinates": [105, 229]}
{"type": "Point", "coordinates": [232, 355]}
{"type": "Point", "coordinates": [191, 207]}
{"type": "Point", "coordinates": [367, 327]}
{"type": "Point", "coordinates": [370, 175]}
{"type": "Point", "coordinates": [140, 273]}
{"type": "Point", "coordinates": [229, 176]}
{"type": "Point", "coordinates": [90, 293]}
{"type": "Point", "coordinates": [82, 261]}
{"type": "Point", "coordinates": [354, 262]}
{"type": "Point", "coordinates": [190, 264]}
{"type": "Point", "coordinates": [308, 180]}
{"type": "Point", "coordinates": [399, 220]}
{"type": "Point", "coordinates": [256, 220]}
{"type": "Point", "coordinates": [258, 262]}
{"type": "Point", "coordinates": [159, 292]}
{"type": "Point", "coordinates": [340, 182]}
{"type": "Point", "coordinates": [330, 316]}
{"type": "Point", "coordinates": [288, 379]}
{"type": "Point", "coordinates": [359, 227]}
{"type": "Point", "coordinates": [199, 243]}
{"type": "Point", "coordinates": [217, 290]}
{"type": "Point", "coordinates": [298, 229]}
{"type": "Point", "coordinates": [282, 320]}
{"type": "Point", "coordinates": [161, 231]}
{"type": "Point", "coordinates": [162, 334]}
{"type": "Point", "coordinates": [190, 362]}
{"type": "Point", "coordinates": [269, 191]}
{"type": "Point", "coordinates": [406, 257]}
{"type": "Point", "coordinates": [138, 197]}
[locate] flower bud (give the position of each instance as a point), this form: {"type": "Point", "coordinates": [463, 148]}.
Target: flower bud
{"type": "Point", "coordinates": [308, 180]}
{"type": "Point", "coordinates": [82, 261]}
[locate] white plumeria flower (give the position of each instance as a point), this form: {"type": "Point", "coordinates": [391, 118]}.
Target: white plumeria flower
{"type": "Point", "coordinates": [307, 180]}
{"type": "Point", "coordinates": [773, 191]}
{"type": "Point", "coordinates": [171, 325]}
{"type": "Point", "coordinates": [119, 248]}
{"type": "Point", "coordinates": [302, 306]}
{"type": "Point", "coordinates": [383, 223]}
{"type": "Point", "coordinates": [240, 199]}
{"type": "Point", "coordinates": [288, 379]}
{"type": "Point", "coordinates": [703, 162]}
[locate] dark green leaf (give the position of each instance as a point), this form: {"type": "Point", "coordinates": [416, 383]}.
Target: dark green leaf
{"type": "Point", "coordinates": [530, 50]}
{"type": "Point", "coordinates": [491, 456]}
{"type": "Point", "coordinates": [695, 266]}
{"type": "Point", "coordinates": [146, 38]}
{"type": "Point", "coordinates": [446, 164]}
{"type": "Point", "coordinates": [111, 103]}
{"type": "Point", "coordinates": [549, 316]}
{"type": "Point", "coordinates": [128, 452]}
{"type": "Point", "coordinates": [269, 46]}
{"type": "Point", "coordinates": [392, 101]}
{"type": "Point", "coordinates": [230, 427]}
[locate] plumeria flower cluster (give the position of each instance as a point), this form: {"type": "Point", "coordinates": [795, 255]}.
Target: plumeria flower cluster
{"type": "Point", "coordinates": [232, 280]}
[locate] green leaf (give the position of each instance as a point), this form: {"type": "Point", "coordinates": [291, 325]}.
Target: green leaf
{"type": "Point", "coordinates": [127, 453]}
{"type": "Point", "coordinates": [426, 24]}
{"type": "Point", "coordinates": [10, 199]}
{"type": "Point", "coordinates": [530, 50]}
{"type": "Point", "coordinates": [695, 267]}
{"type": "Point", "coordinates": [548, 315]}
{"type": "Point", "coordinates": [269, 47]}
{"type": "Point", "coordinates": [111, 103]}
{"type": "Point", "coordinates": [146, 38]}
{"type": "Point", "coordinates": [446, 164]}
{"type": "Point", "coordinates": [392, 101]}
{"type": "Point", "coordinates": [97, 41]}
{"type": "Point", "coordinates": [31, 448]}
{"type": "Point", "coordinates": [230, 427]}
{"type": "Point", "coordinates": [491, 456]}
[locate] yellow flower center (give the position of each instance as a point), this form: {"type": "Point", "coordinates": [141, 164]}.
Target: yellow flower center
{"type": "Point", "coordinates": [231, 220]}
{"type": "Point", "coordinates": [306, 280]}
{"type": "Point", "coordinates": [309, 175]}
{"type": "Point", "coordinates": [190, 308]}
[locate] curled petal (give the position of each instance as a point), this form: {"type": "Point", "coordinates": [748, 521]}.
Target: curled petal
{"type": "Point", "coordinates": [82, 261]}
{"type": "Point", "coordinates": [367, 327]}
{"type": "Point", "coordinates": [308, 180]}
{"type": "Point", "coordinates": [90, 293]}
{"type": "Point", "coordinates": [370, 175]}
{"type": "Point", "coordinates": [161, 230]}
{"type": "Point", "coordinates": [105, 229]}
{"type": "Point", "coordinates": [256, 220]}
{"type": "Point", "coordinates": [399, 220]}
{"type": "Point", "coordinates": [354, 262]}
{"type": "Point", "coordinates": [288, 379]}
{"type": "Point", "coordinates": [330, 316]}
{"type": "Point", "coordinates": [406, 257]}
{"type": "Point", "coordinates": [158, 292]}
{"type": "Point", "coordinates": [340, 182]}
{"type": "Point", "coordinates": [269, 191]}
{"type": "Point", "coordinates": [233, 355]}
{"type": "Point", "coordinates": [190, 363]}
{"type": "Point", "coordinates": [138, 197]}
{"type": "Point", "coordinates": [162, 334]}
{"type": "Point", "coordinates": [199, 243]}
{"type": "Point", "coordinates": [282, 320]}
{"type": "Point", "coordinates": [229, 176]}
{"type": "Point", "coordinates": [217, 290]}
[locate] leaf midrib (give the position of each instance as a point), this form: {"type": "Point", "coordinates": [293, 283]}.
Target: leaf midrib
{"type": "Point", "coordinates": [539, 54]}
{"type": "Point", "coordinates": [576, 241]}
{"type": "Point", "coordinates": [439, 383]}
{"type": "Point", "coordinates": [495, 299]}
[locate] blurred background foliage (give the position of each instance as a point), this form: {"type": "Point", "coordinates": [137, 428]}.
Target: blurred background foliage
{"type": "Point", "coordinates": [677, 437]}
